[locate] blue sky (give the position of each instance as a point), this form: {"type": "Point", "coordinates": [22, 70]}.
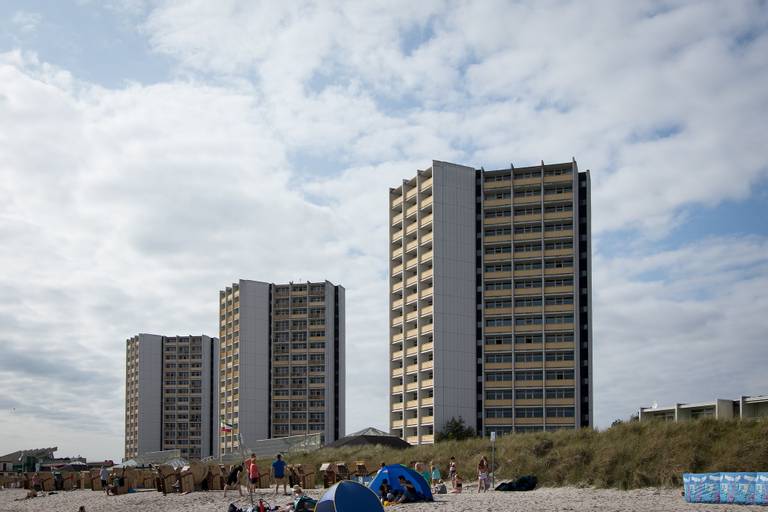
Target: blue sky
{"type": "Point", "coordinates": [153, 152]}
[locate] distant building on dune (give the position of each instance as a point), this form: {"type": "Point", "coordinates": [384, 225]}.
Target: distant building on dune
{"type": "Point", "coordinates": [490, 300]}
{"type": "Point", "coordinates": [171, 397]}
{"type": "Point", "coordinates": [744, 408]}
{"type": "Point", "coordinates": [281, 362]}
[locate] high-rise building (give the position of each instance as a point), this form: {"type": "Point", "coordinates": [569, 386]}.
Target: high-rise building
{"type": "Point", "coordinates": [281, 361]}
{"type": "Point", "coordinates": [170, 395]}
{"type": "Point", "coordinates": [490, 300]}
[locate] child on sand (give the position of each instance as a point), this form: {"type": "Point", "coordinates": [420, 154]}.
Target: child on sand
{"type": "Point", "coordinates": [457, 483]}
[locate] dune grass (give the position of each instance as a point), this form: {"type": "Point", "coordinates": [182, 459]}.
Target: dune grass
{"type": "Point", "coordinates": [626, 456]}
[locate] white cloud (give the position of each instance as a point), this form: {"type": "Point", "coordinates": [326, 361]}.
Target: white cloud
{"type": "Point", "coordinates": [25, 21]}
{"type": "Point", "coordinates": [129, 208]}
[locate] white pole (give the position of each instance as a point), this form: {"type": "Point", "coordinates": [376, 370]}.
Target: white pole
{"type": "Point", "coordinates": [493, 460]}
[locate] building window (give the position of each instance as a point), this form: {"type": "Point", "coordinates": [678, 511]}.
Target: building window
{"type": "Point", "coordinates": [528, 357]}
{"type": "Point", "coordinates": [559, 374]}
{"type": "Point", "coordinates": [560, 412]}
{"type": "Point", "coordinates": [528, 394]}
{"type": "Point", "coordinates": [562, 355]}
{"type": "Point", "coordinates": [498, 376]}
{"type": "Point", "coordinates": [498, 394]}
{"type": "Point", "coordinates": [498, 357]}
{"type": "Point", "coordinates": [499, 412]}
{"type": "Point", "coordinates": [505, 339]}
{"type": "Point", "coordinates": [527, 375]}
{"type": "Point", "coordinates": [560, 392]}
{"type": "Point", "coordinates": [529, 412]}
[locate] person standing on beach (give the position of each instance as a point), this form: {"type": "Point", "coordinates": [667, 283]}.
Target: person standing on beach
{"type": "Point", "coordinates": [482, 475]}
{"type": "Point", "coordinates": [253, 473]}
{"type": "Point", "coordinates": [278, 473]}
{"type": "Point", "coordinates": [436, 476]}
{"type": "Point", "coordinates": [452, 472]}
{"type": "Point", "coordinates": [104, 476]}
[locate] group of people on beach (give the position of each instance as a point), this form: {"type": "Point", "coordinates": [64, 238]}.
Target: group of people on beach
{"type": "Point", "coordinates": [254, 475]}
{"type": "Point", "coordinates": [407, 492]}
{"type": "Point", "coordinates": [434, 476]}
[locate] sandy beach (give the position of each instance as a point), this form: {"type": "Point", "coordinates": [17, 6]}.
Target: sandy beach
{"type": "Point", "coordinates": [544, 500]}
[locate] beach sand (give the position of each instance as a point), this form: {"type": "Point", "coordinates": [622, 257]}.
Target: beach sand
{"type": "Point", "coordinates": [545, 499]}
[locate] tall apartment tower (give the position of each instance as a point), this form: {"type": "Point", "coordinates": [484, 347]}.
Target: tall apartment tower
{"type": "Point", "coordinates": [170, 395]}
{"type": "Point", "coordinates": [282, 361]}
{"type": "Point", "coordinates": [490, 300]}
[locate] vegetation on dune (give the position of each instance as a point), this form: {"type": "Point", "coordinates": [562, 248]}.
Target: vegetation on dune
{"type": "Point", "coordinates": [625, 456]}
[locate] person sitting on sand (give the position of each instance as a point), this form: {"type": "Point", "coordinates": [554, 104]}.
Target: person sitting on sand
{"type": "Point", "coordinates": [385, 491]}
{"type": "Point", "coordinates": [457, 483]}
{"type": "Point", "coordinates": [410, 494]}
{"type": "Point", "coordinates": [440, 488]}
{"type": "Point", "coordinates": [36, 485]}
{"type": "Point", "coordinates": [301, 502]}
{"type": "Point", "coordinates": [233, 480]}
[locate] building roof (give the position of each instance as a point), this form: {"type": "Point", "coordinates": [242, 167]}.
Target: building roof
{"type": "Point", "coordinates": [38, 453]}
{"type": "Point", "coordinates": [370, 436]}
{"type": "Point", "coordinates": [370, 431]}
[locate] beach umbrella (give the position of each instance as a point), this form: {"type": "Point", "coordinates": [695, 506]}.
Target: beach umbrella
{"type": "Point", "coordinates": [349, 496]}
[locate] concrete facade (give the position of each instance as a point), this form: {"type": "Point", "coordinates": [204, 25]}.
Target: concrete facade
{"type": "Point", "coordinates": [281, 362]}
{"type": "Point", "coordinates": [490, 300]}
{"type": "Point", "coordinates": [170, 395]}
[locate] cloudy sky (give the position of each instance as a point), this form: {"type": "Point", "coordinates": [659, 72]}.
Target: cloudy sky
{"type": "Point", "coordinates": [153, 152]}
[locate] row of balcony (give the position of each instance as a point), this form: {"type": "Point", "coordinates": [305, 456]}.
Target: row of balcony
{"type": "Point", "coordinates": [523, 200]}
{"type": "Point", "coordinates": [519, 237]}
{"type": "Point", "coordinates": [413, 368]}
{"type": "Point", "coordinates": [521, 292]}
{"type": "Point", "coordinates": [413, 386]}
{"type": "Point", "coordinates": [412, 404]}
{"type": "Point", "coordinates": [410, 217]}
{"type": "Point", "coordinates": [519, 329]}
{"type": "Point", "coordinates": [493, 221]}
{"type": "Point", "coordinates": [519, 182]}
{"type": "Point", "coordinates": [424, 293]}
{"type": "Point", "coordinates": [413, 422]}
{"type": "Point", "coordinates": [412, 351]}
{"type": "Point", "coordinates": [548, 253]}
{"type": "Point", "coordinates": [410, 193]}
{"type": "Point", "coordinates": [411, 316]}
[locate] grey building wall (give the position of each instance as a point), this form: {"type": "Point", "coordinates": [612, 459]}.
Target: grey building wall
{"type": "Point", "coordinates": [150, 435]}
{"type": "Point", "coordinates": [582, 242]}
{"type": "Point", "coordinates": [340, 365]}
{"type": "Point", "coordinates": [210, 394]}
{"type": "Point", "coordinates": [454, 308]}
{"type": "Point", "coordinates": [254, 361]}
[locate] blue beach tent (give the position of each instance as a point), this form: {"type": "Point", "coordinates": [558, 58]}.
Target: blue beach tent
{"type": "Point", "coordinates": [392, 472]}
{"type": "Point", "coordinates": [349, 496]}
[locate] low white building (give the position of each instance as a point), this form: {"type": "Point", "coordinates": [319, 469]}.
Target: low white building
{"type": "Point", "coordinates": [743, 408]}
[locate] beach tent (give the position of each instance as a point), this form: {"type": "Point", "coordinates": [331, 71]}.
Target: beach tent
{"type": "Point", "coordinates": [349, 496]}
{"type": "Point", "coordinates": [392, 474]}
